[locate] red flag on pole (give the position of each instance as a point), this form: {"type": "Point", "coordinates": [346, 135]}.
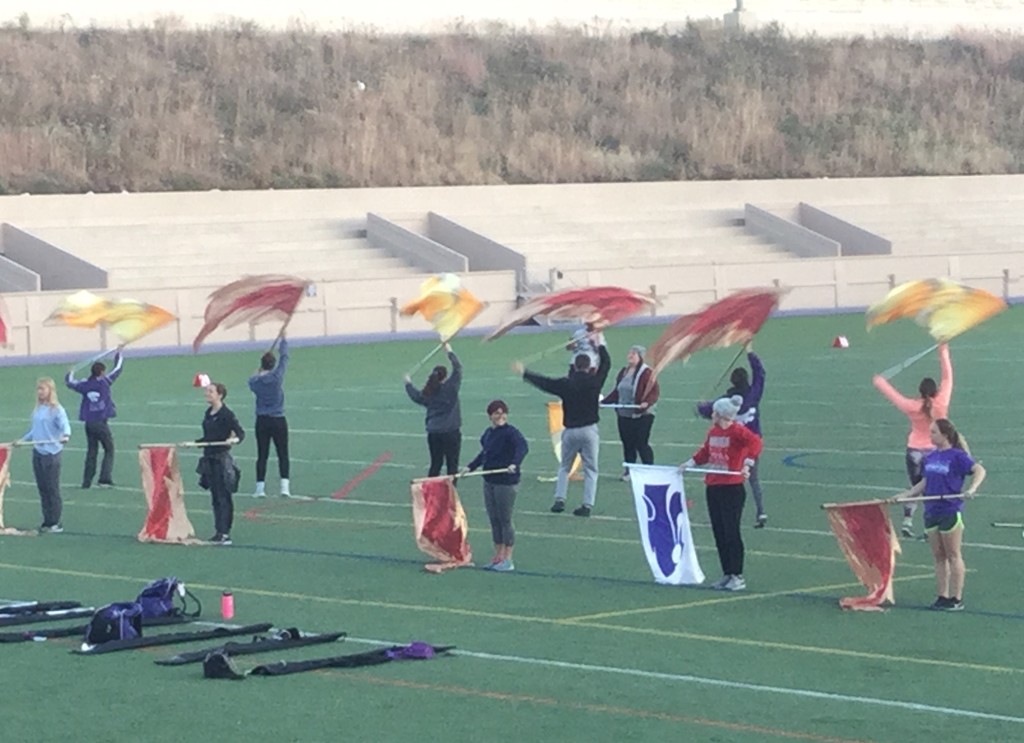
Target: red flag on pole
{"type": "Point", "coordinates": [599, 305]}
{"type": "Point", "coordinates": [869, 543]}
{"type": "Point", "coordinates": [440, 523]}
{"type": "Point", "coordinates": [5, 480]}
{"type": "Point", "coordinates": [253, 299]}
{"type": "Point", "coordinates": [166, 518]}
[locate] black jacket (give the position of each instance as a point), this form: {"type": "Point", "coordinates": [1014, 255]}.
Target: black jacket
{"type": "Point", "coordinates": [580, 391]}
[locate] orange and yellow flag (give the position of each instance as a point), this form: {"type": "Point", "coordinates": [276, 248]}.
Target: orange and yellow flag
{"type": "Point", "coordinates": [445, 304]}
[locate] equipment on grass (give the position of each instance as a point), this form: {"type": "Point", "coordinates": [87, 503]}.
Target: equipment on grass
{"type": "Point", "coordinates": [1002, 525]}
{"type": "Point", "coordinates": [114, 646]}
{"type": "Point", "coordinates": [218, 665]}
{"type": "Point", "coordinates": [14, 619]}
{"type": "Point", "coordinates": [284, 639]}
{"type": "Point", "coordinates": [34, 607]}
{"type": "Point", "coordinates": [120, 621]}
{"type": "Point", "coordinates": [840, 341]}
{"type": "Point", "coordinates": [158, 599]}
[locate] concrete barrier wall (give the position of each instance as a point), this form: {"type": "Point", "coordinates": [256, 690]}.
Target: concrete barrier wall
{"type": "Point", "coordinates": [416, 250]}
{"type": "Point", "coordinates": [797, 239]}
{"type": "Point", "coordinates": [57, 268]}
{"type": "Point", "coordinates": [484, 254]}
{"type": "Point", "coordinates": [853, 240]}
{"type": "Point", "coordinates": [14, 277]}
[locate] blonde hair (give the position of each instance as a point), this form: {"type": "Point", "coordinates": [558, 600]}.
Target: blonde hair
{"type": "Point", "coordinates": [52, 387]}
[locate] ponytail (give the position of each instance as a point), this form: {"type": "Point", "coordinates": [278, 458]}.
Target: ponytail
{"type": "Point", "coordinates": [928, 390]}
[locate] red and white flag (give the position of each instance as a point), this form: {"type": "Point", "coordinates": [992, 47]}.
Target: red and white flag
{"type": "Point", "coordinates": [440, 523]}
{"type": "Point", "coordinates": [869, 543]}
{"type": "Point", "coordinates": [253, 300]}
{"type": "Point", "coordinates": [166, 519]}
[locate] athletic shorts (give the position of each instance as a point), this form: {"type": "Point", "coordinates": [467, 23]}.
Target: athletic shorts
{"type": "Point", "coordinates": [944, 522]}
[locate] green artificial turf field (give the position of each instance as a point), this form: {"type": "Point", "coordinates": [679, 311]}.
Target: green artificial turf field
{"type": "Point", "coordinates": [579, 643]}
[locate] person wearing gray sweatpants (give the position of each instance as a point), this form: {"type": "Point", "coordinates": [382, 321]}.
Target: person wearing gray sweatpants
{"type": "Point", "coordinates": [580, 392]}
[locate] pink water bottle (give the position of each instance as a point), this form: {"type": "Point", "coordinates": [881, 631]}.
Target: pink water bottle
{"type": "Point", "coordinates": [227, 605]}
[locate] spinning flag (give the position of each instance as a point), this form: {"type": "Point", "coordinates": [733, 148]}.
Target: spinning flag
{"type": "Point", "coordinates": [598, 305]}
{"type": "Point", "coordinates": [735, 319]}
{"type": "Point", "coordinates": [129, 319]}
{"type": "Point", "coordinates": [869, 543]}
{"type": "Point", "coordinates": [556, 424]}
{"type": "Point", "coordinates": [253, 299]}
{"type": "Point", "coordinates": [943, 307]}
{"type": "Point", "coordinates": [440, 523]}
{"type": "Point", "coordinates": [665, 524]}
{"type": "Point", "coordinates": [445, 304]}
{"type": "Point", "coordinates": [166, 518]}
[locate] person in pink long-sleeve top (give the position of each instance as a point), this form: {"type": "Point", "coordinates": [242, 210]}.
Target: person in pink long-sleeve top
{"type": "Point", "coordinates": [931, 405]}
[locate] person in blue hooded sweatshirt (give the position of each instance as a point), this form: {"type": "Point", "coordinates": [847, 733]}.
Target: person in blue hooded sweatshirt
{"type": "Point", "coordinates": [267, 384]}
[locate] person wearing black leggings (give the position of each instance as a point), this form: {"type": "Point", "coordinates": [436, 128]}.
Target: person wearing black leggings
{"type": "Point", "coordinates": [440, 396]}
{"type": "Point", "coordinates": [271, 425]}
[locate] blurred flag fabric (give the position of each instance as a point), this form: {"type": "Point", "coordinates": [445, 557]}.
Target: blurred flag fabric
{"type": "Point", "coordinates": [664, 522]}
{"type": "Point", "coordinates": [5, 480]}
{"type": "Point", "coordinates": [943, 307]}
{"type": "Point", "coordinates": [556, 424]}
{"type": "Point", "coordinates": [128, 319]}
{"type": "Point", "coordinates": [166, 518]}
{"type": "Point", "coordinates": [599, 305]}
{"type": "Point", "coordinates": [440, 523]}
{"type": "Point", "coordinates": [445, 304]}
{"type": "Point", "coordinates": [736, 319]}
{"type": "Point", "coordinates": [253, 300]}
{"type": "Point", "coordinates": [868, 541]}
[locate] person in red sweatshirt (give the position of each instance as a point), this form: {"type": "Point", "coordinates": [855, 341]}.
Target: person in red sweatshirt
{"type": "Point", "coordinates": [732, 448]}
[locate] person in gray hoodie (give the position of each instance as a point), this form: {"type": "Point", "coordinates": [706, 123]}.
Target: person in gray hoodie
{"type": "Point", "coordinates": [440, 396]}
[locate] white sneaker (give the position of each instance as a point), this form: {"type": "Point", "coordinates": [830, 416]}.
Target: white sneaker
{"type": "Point", "coordinates": [719, 584]}
{"type": "Point", "coordinates": [285, 488]}
{"type": "Point", "coordinates": [261, 490]}
{"type": "Point", "coordinates": [735, 583]}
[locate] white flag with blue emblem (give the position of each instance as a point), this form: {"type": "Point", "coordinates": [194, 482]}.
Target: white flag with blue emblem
{"type": "Point", "coordinates": [665, 524]}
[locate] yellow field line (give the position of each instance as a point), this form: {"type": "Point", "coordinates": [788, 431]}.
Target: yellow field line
{"type": "Point", "coordinates": [725, 640]}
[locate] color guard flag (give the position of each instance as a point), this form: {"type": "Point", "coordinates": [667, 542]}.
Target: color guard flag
{"type": "Point", "coordinates": [556, 425]}
{"type": "Point", "coordinates": [440, 523]}
{"type": "Point", "coordinates": [665, 524]}
{"type": "Point", "coordinates": [5, 480]}
{"type": "Point", "coordinates": [253, 300]}
{"type": "Point", "coordinates": [869, 543]}
{"type": "Point", "coordinates": [445, 304]}
{"type": "Point", "coordinates": [166, 519]}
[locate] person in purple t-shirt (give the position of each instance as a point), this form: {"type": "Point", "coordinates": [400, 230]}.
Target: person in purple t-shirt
{"type": "Point", "coordinates": [96, 410]}
{"type": "Point", "coordinates": [944, 471]}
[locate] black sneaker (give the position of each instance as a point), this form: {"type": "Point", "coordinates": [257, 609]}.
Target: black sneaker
{"type": "Point", "coordinates": [86, 485]}
{"type": "Point", "coordinates": [954, 605]}
{"type": "Point", "coordinates": [762, 520]}
{"type": "Point", "coordinates": [941, 604]}
{"type": "Point", "coordinates": [558, 506]}
{"type": "Point", "coordinates": [582, 511]}
{"type": "Point", "coordinates": [221, 539]}
{"type": "Point", "coordinates": [106, 483]}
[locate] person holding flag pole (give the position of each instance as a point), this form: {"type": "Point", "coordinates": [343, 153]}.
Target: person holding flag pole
{"type": "Point", "coordinates": [267, 384]}
{"type": "Point", "coordinates": [502, 451]}
{"type": "Point", "coordinates": [440, 396]}
{"type": "Point", "coordinates": [96, 410]}
{"type": "Point", "coordinates": [942, 481]}
{"type": "Point", "coordinates": [932, 405]}
{"type": "Point", "coordinates": [216, 469]}
{"type": "Point", "coordinates": [49, 431]}
{"type": "Point", "coordinates": [729, 451]}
